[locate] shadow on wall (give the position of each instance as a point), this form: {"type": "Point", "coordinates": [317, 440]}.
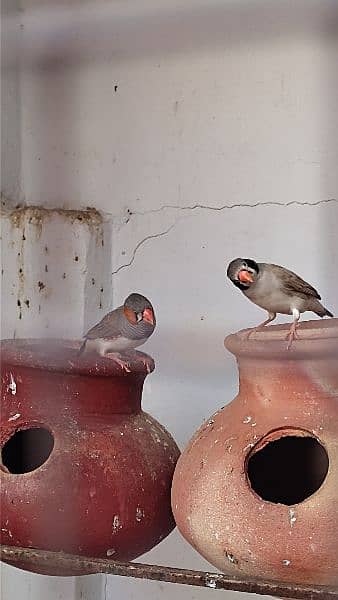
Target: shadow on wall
{"type": "Point", "coordinates": [57, 32]}
{"type": "Point", "coordinates": [327, 229]}
{"type": "Point", "coordinates": [10, 102]}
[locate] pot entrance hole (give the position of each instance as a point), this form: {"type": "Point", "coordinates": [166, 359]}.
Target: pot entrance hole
{"type": "Point", "coordinates": [288, 470]}
{"type": "Point", "coordinates": [26, 450]}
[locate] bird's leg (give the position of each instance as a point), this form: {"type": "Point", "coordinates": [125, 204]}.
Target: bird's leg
{"type": "Point", "coordinates": [82, 348]}
{"type": "Point", "coordinates": [272, 316]}
{"type": "Point", "coordinates": [118, 359]}
{"type": "Point", "coordinates": [292, 335]}
{"type": "Point", "coordinates": [146, 361]}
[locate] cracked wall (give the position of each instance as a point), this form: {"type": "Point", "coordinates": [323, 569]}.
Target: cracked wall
{"type": "Point", "coordinates": [196, 207]}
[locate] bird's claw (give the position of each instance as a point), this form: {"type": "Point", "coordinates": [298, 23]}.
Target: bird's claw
{"type": "Point", "coordinates": [147, 363]}
{"type": "Point", "coordinates": [122, 363]}
{"type": "Point", "coordinates": [124, 366]}
{"type": "Point", "coordinates": [250, 332]}
{"type": "Point", "coordinates": [292, 335]}
{"type": "Point", "coordinates": [289, 344]}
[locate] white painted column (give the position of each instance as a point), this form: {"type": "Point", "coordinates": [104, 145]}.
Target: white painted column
{"type": "Point", "coordinates": [56, 281]}
{"type": "Point", "coordinates": [56, 271]}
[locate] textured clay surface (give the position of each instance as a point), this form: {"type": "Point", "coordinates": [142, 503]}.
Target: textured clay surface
{"type": "Point", "coordinates": [104, 490]}
{"type": "Point", "coordinates": [282, 394]}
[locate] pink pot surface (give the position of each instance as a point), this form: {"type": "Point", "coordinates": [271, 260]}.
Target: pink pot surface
{"type": "Point", "coordinates": [103, 488]}
{"type": "Point", "coordinates": [275, 518]}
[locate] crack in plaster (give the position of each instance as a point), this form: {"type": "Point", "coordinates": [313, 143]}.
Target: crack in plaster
{"type": "Point", "coordinates": [231, 206]}
{"type": "Point", "coordinates": [143, 241]}
{"type": "Point", "coordinates": [204, 207]}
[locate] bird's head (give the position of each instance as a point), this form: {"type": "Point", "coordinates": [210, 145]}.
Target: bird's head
{"type": "Point", "coordinates": [138, 308]}
{"type": "Point", "coordinates": [243, 272]}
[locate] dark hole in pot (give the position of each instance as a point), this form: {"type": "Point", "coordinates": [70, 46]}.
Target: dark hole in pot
{"type": "Point", "coordinates": [27, 450]}
{"type": "Point", "coordinates": [288, 470]}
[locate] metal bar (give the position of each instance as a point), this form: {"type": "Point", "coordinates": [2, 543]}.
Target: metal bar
{"type": "Point", "coordinates": [218, 581]}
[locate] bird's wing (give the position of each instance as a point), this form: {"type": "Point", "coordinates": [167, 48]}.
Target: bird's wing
{"type": "Point", "coordinates": [292, 283]}
{"type": "Point", "coordinates": [109, 327]}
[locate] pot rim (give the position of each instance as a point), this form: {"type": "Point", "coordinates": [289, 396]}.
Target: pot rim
{"type": "Point", "coordinates": [317, 338]}
{"type": "Point", "coordinates": [61, 355]}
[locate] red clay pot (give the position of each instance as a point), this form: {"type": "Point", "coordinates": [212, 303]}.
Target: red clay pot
{"type": "Point", "coordinates": [256, 490]}
{"type": "Point", "coordinates": [83, 469]}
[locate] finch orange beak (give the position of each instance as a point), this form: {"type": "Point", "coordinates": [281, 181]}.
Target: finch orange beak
{"type": "Point", "coordinates": [245, 276]}
{"type": "Point", "coordinates": [148, 316]}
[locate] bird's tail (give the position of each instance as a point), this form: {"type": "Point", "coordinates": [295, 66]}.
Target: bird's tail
{"type": "Point", "coordinates": [321, 311]}
{"type": "Point", "coordinates": [82, 348]}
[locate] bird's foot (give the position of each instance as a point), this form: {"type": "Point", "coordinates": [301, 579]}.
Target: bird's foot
{"type": "Point", "coordinates": [148, 363]}
{"type": "Point", "coordinates": [292, 335]}
{"type": "Point", "coordinates": [261, 326]}
{"type": "Point", "coordinates": [253, 330]}
{"type": "Point", "coordinates": [119, 360]}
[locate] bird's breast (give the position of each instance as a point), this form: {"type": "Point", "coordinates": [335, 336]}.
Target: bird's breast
{"type": "Point", "coordinates": [269, 294]}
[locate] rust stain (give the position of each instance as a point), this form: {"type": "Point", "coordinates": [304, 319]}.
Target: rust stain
{"type": "Point", "coordinates": [36, 215]}
{"type": "Point", "coordinates": [28, 221]}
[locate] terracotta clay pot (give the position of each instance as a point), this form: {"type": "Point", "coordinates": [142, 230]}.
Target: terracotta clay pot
{"type": "Point", "coordinates": [256, 490]}
{"type": "Point", "coordinates": [83, 469]}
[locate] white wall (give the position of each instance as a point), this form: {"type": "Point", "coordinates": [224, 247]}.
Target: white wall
{"type": "Point", "coordinates": [219, 141]}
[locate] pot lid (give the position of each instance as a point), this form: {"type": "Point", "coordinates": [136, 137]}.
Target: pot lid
{"type": "Point", "coordinates": [315, 338]}
{"type": "Point", "coordinates": [62, 356]}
